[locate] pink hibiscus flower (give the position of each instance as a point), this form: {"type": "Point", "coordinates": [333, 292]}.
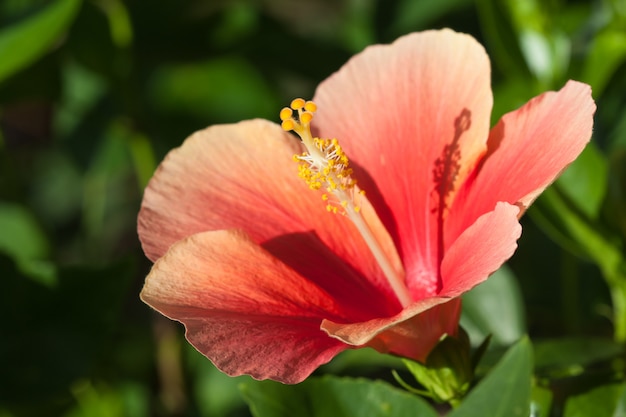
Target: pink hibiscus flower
{"type": "Point", "coordinates": [268, 283]}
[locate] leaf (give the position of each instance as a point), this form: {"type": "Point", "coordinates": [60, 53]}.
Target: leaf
{"type": "Point", "coordinates": [506, 390]}
{"type": "Point", "coordinates": [563, 355]}
{"type": "Point", "coordinates": [495, 308]}
{"type": "Point", "coordinates": [541, 402]}
{"type": "Point", "coordinates": [448, 371]}
{"type": "Point", "coordinates": [214, 393]}
{"type": "Point", "coordinates": [556, 216]}
{"type": "Point", "coordinates": [583, 237]}
{"type": "Point", "coordinates": [607, 52]}
{"type": "Point", "coordinates": [584, 182]}
{"type": "Point", "coordinates": [23, 240]}
{"type": "Point", "coordinates": [332, 396]}
{"type": "Point", "coordinates": [605, 401]}
{"type": "Point", "coordinates": [23, 43]}
{"type": "Point", "coordinates": [501, 38]}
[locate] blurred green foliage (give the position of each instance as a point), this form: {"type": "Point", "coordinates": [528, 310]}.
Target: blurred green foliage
{"type": "Point", "coordinates": [94, 92]}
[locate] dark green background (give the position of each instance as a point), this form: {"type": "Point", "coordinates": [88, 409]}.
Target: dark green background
{"type": "Point", "coordinates": [94, 93]}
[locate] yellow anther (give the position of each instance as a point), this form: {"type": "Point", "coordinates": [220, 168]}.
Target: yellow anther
{"type": "Point", "coordinates": [288, 125]}
{"type": "Point", "coordinates": [324, 166]}
{"type": "Point", "coordinates": [286, 113]}
{"type": "Point", "coordinates": [310, 106]}
{"type": "Point", "coordinates": [297, 104]}
{"type": "Point", "coordinates": [306, 117]}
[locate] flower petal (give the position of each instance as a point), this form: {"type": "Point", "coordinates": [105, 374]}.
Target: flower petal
{"type": "Point", "coordinates": [220, 178]}
{"type": "Point", "coordinates": [528, 149]}
{"type": "Point", "coordinates": [412, 333]}
{"type": "Point", "coordinates": [242, 176]}
{"type": "Point", "coordinates": [242, 308]}
{"type": "Point", "coordinates": [480, 250]}
{"type": "Point", "coordinates": [413, 117]}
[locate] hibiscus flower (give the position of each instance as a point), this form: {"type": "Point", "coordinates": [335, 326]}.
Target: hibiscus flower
{"type": "Point", "coordinates": [400, 200]}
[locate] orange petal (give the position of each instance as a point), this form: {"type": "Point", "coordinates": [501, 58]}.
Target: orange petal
{"type": "Point", "coordinates": [528, 149]}
{"type": "Point", "coordinates": [242, 308]}
{"type": "Point", "coordinates": [242, 176]}
{"type": "Point", "coordinates": [413, 117]}
{"type": "Point", "coordinates": [412, 334]}
{"type": "Point", "coordinates": [480, 250]}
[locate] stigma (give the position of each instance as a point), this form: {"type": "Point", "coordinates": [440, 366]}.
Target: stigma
{"type": "Point", "coordinates": [323, 165]}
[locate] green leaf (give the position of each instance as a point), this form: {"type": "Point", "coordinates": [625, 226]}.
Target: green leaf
{"type": "Point", "coordinates": [448, 370]}
{"type": "Point", "coordinates": [553, 212]}
{"type": "Point", "coordinates": [360, 360]}
{"type": "Point", "coordinates": [23, 240]}
{"type": "Point", "coordinates": [607, 52]}
{"type": "Point", "coordinates": [129, 400]}
{"type": "Point", "coordinates": [555, 215]}
{"type": "Point", "coordinates": [585, 181]}
{"type": "Point", "coordinates": [495, 308]}
{"type": "Point", "coordinates": [546, 50]}
{"type": "Point", "coordinates": [214, 393]}
{"type": "Point", "coordinates": [501, 38]}
{"type": "Point", "coordinates": [568, 356]}
{"type": "Point", "coordinates": [605, 401]}
{"type": "Point", "coordinates": [541, 402]}
{"type": "Point", "coordinates": [23, 43]}
{"type": "Point", "coordinates": [506, 390]}
{"type": "Point", "coordinates": [331, 396]}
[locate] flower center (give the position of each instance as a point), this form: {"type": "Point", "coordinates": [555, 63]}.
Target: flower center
{"type": "Point", "coordinates": [325, 166]}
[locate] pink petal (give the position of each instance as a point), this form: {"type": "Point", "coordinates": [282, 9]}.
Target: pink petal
{"type": "Point", "coordinates": [242, 308]}
{"type": "Point", "coordinates": [414, 119]}
{"type": "Point", "coordinates": [480, 250]}
{"type": "Point", "coordinates": [528, 149]}
{"type": "Point", "coordinates": [412, 334]}
{"type": "Point", "coordinates": [242, 176]}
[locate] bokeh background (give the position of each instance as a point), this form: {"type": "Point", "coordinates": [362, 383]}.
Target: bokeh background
{"type": "Point", "coordinates": [93, 93]}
